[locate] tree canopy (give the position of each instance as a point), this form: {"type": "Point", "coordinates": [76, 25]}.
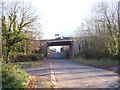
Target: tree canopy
{"type": "Point", "coordinates": [17, 19]}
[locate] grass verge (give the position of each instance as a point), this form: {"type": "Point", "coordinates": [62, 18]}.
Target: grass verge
{"type": "Point", "coordinates": [29, 64]}
{"type": "Point", "coordinates": [97, 62]}
{"type": "Point", "coordinates": [104, 63]}
{"type": "Point", "coordinates": [14, 77]}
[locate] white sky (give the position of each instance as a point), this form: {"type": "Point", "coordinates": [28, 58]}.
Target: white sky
{"type": "Point", "coordinates": [61, 16]}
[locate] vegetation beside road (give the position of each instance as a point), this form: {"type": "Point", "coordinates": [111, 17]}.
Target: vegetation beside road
{"type": "Point", "coordinates": [14, 77]}
{"type": "Point", "coordinates": [65, 51]}
{"type": "Point", "coordinates": [64, 54]}
{"type": "Point", "coordinates": [104, 63]}
{"type": "Point", "coordinates": [97, 36]}
{"type": "Point", "coordinates": [29, 64]}
{"type": "Point", "coordinates": [20, 57]}
{"type": "Point", "coordinates": [98, 62]}
{"type": "Point", "coordinates": [20, 44]}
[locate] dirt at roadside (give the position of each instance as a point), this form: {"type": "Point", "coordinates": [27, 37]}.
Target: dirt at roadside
{"type": "Point", "coordinates": [115, 69]}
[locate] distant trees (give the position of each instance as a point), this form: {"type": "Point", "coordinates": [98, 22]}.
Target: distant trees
{"type": "Point", "coordinates": [99, 34]}
{"type": "Point", "coordinates": [65, 51]}
{"type": "Point", "coordinates": [17, 18]}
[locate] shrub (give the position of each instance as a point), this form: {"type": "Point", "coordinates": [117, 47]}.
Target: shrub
{"type": "Point", "coordinates": [29, 64]}
{"type": "Point", "coordinates": [65, 54]}
{"type": "Point", "coordinates": [28, 57]}
{"type": "Point", "coordinates": [14, 77]}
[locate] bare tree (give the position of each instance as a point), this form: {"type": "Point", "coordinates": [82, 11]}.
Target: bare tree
{"type": "Point", "coordinates": [16, 19]}
{"type": "Point", "coordinates": [102, 29]}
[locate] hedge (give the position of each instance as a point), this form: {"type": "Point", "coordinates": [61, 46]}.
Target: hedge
{"type": "Point", "coordinates": [14, 77]}
{"type": "Point", "coordinates": [28, 57]}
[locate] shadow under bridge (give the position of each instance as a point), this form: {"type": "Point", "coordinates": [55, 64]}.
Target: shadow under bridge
{"type": "Point", "coordinates": [60, 42]}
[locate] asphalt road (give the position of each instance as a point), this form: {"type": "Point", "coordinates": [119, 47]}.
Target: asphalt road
{"type": "Point", "coordinates": [65, 73]}
{"type": "Point", "coordinates": [55, 55]}
{"type": "Point", "coordinates": [69, 74]}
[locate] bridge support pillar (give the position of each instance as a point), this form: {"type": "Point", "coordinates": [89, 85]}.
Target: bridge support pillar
{"type": "Point", "coordinates": [71, 51]}
{"type": "Point", "coordinates": [46, 51]}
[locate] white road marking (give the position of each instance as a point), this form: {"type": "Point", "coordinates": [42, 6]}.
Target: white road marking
{"type": "Point", "coordinates": [52, 75]}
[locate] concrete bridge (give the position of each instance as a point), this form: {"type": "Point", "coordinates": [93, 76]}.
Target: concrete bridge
{"type": "Point", "coordinates": [57, 42]}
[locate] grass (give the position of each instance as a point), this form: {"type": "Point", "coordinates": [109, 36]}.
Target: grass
{"type": "Point", "coordinates": [20, 57]}
{"type": "Point", "coordinates": [64, 54]}
{"type": "Point", "coordinates": [29, 64]}
{"type": "Point", "coordinates": [97, 62]}
{"type": "Point", "coordinates": [14, 77]}
{"type": "Point", "coordinates": [43, 82]}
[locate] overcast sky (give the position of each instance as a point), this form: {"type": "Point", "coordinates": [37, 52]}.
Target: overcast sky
{"type": "Point", "coordinates": [61, 16]}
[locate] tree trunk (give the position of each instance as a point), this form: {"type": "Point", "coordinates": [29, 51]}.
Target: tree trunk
{"type": "Point", "coordinates": [0, 45]}
{"type": "Point", "coordinates": [25, 47]}
{"type": "Point", "coordinates": [7, 52]}
{"type": "Point", "coordinates": [119, 28]}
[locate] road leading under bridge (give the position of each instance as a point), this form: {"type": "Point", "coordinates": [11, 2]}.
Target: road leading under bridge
{"type": "Point", "coordinates": [65, 73]}
{"type": "Point", "coordinates": [56, 42]}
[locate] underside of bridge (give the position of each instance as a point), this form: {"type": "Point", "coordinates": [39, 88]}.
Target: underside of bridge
{"type": "Point", "coordinates": [69, 43]}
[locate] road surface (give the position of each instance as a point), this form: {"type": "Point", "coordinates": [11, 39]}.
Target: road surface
{"type": "Point", "coordinates": [65, 73]}
{"type": "Point", "coordinates": [69, 74]}
{"type": "Point", "coordinates": [55, 55]}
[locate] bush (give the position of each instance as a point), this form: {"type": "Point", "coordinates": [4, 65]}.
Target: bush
{"type": "Point", "coordinates": [29, 64]}
{"type": "Point", "coordinates": [14, 77]}
{"type": "Point", "coordinates": [65, 54]}
{"type": "Point", "coordinates": [28, 57]}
